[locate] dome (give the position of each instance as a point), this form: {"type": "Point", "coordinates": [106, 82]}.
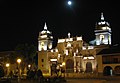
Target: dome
{"type": "Point", "coordinates": [102, 25]}
{"type": "Point", "coordinates": [45, 34]}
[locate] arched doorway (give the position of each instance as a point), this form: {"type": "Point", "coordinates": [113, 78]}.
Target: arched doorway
{"type": "Point", "coordinates": [107, 71]}
{"type": "Point", "coordinates": [53, 67]}
{"type": "Point", "coordinates": [69, 66]}
{"type": "Point", "coordinates": [88, 67]}
{"type": "Point", "coordinates": [117, 70]}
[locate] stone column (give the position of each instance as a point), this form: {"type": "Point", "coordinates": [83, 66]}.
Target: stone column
{"type": "Point", "coordinates": [74, 64]}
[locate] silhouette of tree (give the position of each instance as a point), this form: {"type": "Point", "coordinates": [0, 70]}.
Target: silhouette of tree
{"type": "Point", "coordinates": [26, 52]}
{"type": "Point", "coordinates": [1, 72]}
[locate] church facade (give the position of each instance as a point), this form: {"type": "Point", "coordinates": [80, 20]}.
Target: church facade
{"type": "Point", "coordinates": [72, 54]}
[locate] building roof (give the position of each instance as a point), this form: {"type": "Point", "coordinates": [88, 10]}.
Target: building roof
{"type": "Point", "coordinates": [110, 50]}
{"type": "Point", "coordinates": [102, 23]}
{"type": "Point", "coordinates": [5, 53]}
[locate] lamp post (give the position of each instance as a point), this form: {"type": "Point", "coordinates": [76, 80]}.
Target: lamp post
{"type": "Point", "coordinates": [18, 61]}
{"type": "Point", "coordinates": [7, 65]}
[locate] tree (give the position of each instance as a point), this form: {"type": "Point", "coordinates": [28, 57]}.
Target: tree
{"type": "Point", "coordinates": [26, 52]}
{"type": "Point", "coordinates": [1, 71]}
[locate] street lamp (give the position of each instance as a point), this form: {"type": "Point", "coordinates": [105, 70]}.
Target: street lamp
{"type": "Point", "coordinates": [7, 65]}
{"type": "Point", "coordinates": [18, 61]}
{"type": "Point", "coordinates": [29, 66]}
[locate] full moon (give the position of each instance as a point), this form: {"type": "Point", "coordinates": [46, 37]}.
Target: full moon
{"type": "Point", "coordinates": [69, 2]}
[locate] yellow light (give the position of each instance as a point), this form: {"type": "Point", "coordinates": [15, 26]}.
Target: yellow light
{"type": "Point", "coordinates": [44, 36]}
{"type": "Point", "coordinates": [61, 40]}
{"type": "Point", "coordinates": [79, 38]}
{"type": "Point", "coordinates": [53, 59]}
{"type": "Point", "coordinates": [7, 64]}
{"type": "Point", "coordinates": [29, 66]}
{"type": "Point", "coordinates": [19, 60]}
{"type": "Point", "coordinates": [63, 63]}
{"type": "Point", "coordinates": [104, 28]}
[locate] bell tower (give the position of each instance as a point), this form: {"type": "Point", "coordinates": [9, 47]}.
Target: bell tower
{"type": "Point", "coordinates": [45, 39]}
{"type": "Point", "coordinates": [103, 32]}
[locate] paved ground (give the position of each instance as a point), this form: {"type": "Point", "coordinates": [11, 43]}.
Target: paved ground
{"type": "Point", "coordinates": [98, 80]}
{"type": "Point", "coordinates": [85, 81]}
{"type": "Point", "coordinates": [80, 80]}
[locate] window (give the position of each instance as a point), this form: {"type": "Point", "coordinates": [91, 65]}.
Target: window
{"type": "Point", "coordinates": [42, 60]}
{"type": "Point", "coordinates": [115, 60]}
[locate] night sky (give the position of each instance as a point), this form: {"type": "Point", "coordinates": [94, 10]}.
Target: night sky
{"type": "Point", "coordinates": [21, 21]}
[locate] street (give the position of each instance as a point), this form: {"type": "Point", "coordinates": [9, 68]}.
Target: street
{"type": "Point", "coordinates": [101, 80]}
{"type": "Point", "coordinates": [108, 79]}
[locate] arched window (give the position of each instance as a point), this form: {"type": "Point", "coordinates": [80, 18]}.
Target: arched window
{"type": "Point", "coordinates": [117, 70]}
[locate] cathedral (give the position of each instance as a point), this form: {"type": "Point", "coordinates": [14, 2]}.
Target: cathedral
{"type": "Point", "coordinates": [72, 55]}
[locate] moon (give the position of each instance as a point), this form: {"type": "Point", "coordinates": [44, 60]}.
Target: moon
{"type": "Point", "coordinates": [69, 2]}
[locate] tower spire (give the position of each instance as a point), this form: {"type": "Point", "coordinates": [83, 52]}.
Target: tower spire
{"type": "Point", "coordinates": [45, 26]}
{"type": "Point", "coordinates": [102, 17]}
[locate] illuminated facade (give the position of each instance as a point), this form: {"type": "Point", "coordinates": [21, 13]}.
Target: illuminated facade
{"type": "Point", "coordinates": [103, 32]}
{"type": "Point", "coordinates": [77, 56]}
{"type": "Point", "coordinates": [72, 54]}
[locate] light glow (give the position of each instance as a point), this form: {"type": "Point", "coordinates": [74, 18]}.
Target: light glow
{"type": "Point", "coordinates": [90, 47]}
{"type": "Point", "coordinates": [74, 54]}
{"type": "Point", "coordinates": [79, 38]}
{"type": "Point", "coordinates": [68, 44]}
{"type": "Point", "coordinates": [69, 2]}
{"type": "Point", "coordinates": [50, 46]}
{"type": "Point", "coordinates": [58, 55]}
{"type": "Point", "coordinates": [69, 39]}
{"type": "Point", "coordinates": [51, 50]}
{"type": "Point", "coordinates": [53, 59]}
{"type": "Point", "coordinates": [90, 57]}
{"type": "Point", "coordinates": [84, 48]}
{"type": "Point", "coordinates": [7, 64]}
{"type": "Point", "coordinates": [63, 63]}
{"type": "Point", "coordinates": [29, 65]}
{"type": "Point", "coordinates": [43, 36]}
{"type": "Point", "coordinates": [19, 61]}
{"type": "Point", "coordinates": [61, 40]}
{"type": "Point", "coordinates": [66, 52]}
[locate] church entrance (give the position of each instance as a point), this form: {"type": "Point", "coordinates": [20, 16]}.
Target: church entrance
{"type": "Point", "coordinates": [88, 67]}
{"type": "Point", "coordinates": [69, 66]}
{"type": "Point", "coordinates": [53, 68]}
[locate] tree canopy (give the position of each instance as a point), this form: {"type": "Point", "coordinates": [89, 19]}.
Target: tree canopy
{"type": "Point", "coordinates": [26, 52]}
